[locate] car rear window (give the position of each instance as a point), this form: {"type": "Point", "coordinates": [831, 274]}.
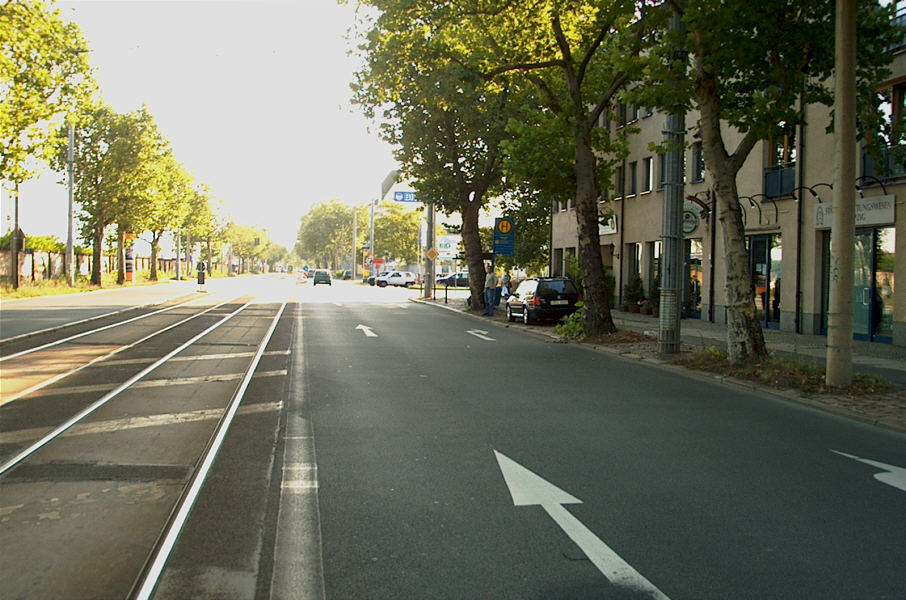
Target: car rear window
{"type": "Point", "coordinates": [556, 286]}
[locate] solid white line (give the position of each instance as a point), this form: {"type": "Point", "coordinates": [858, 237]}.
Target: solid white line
{"type": "Point", "coordinates": [12, 462]}
{"type": "Point", "coordinates": [152, 576]}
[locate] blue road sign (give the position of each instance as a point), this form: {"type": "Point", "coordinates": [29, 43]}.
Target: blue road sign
{"type": "Point", "coordinates": [404, 197]}
{"type": "Point", "coordinates": [504, 236]}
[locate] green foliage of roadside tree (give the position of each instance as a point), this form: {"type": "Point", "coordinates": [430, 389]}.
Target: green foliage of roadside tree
{"type": "Point", "coordinates": [446, 119]}
{"type": "Point", "coordinates": [44, 76]}
{"type": "Point", "coordinates": [325, 233]}
{"type": "Point", "coordinates": [248, 243]}
{"type": "Point", "coordinates": [578, 55]}
{"type": "Point", "coordinates": [171, 193]}
{"type": "Point", "coordinates": [111, 176]}
{"type": "Point", "coordinates": [781, 59]}
{"type": "Point", "coordinates": [396, 232]}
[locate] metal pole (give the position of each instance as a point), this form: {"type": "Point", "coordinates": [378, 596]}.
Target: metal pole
{"type": "Point", "coordinates": [70, 157]}
{"type": "Point", "coordinates": [839, 366]}
{"type": "Point", "coordinates": [354, 238]}
{"type": "Point", "coordinates": [177, 255]}
{"type": "Point", "coordinates": [429, 264]}
{"type": "Point", "coordinates": [14, 239]}
{"type": "Point", "coordinates": [672, 237]}
{"type": "Point", "coordinates": [371, 242]}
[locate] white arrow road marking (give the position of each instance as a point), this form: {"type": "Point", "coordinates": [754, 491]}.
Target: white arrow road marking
{"type": "Point", "coordinates": [480, 333]}
{"type": "Point", "coordinates": [526, 488]}
{"type": "Point", "coordinates": [367, 330]}
{"type": "Point", "coordinates": [895, 476]}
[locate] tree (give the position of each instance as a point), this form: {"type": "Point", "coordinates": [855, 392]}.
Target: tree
{"type": "Point", "coordinates": [446, 120]}
{"type": "Point", "coordinates": [172, 191]}
{"type": "Point", "coordinates": [108, 173]}
{"type": "Point", "coordinates": [531, 216]}
{"type": "Point", "coordinates": [781, 58]}
{"type": "Point", "coordinates": [396, 232]}
{"type": "Point", "coordinates": [579, 56]}
{"type": "Point", "coordinates": [44, 75]}
{"type": "Point", "coordinates": [325, 232]}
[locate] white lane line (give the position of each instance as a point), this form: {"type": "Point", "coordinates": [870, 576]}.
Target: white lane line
{"type": "Point", "coordinates": [152, 575]}
{"type": "Point", "coordinates": [527, 489]}
{"type": "Point", "coordinates": [298, 572]}
{"type": "Point", "coordinates": [22, 455]}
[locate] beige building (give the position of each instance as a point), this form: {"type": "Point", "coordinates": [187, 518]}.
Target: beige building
{"type": "Point", "coordinates": [785, 191]}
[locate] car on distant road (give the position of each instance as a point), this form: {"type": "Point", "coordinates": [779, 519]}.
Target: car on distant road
{"type": "Point", "coordinates": [399, 278]}
{"type": "Point", "coordinates": [321, 276]}
{"type": "Point", "coordinates": [454, 280]}
{"type": "Point", "coordinates": [542, 299]}
{"type": "Point", "coordinates": [372, 278]}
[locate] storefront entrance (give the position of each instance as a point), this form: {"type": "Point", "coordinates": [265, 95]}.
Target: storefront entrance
{"type": "Point", "coordinates": [765, 253]}
{"type": "Point", "coordinates": [692, 281]}
{"type": "Point", "coordinates": [873, 284]}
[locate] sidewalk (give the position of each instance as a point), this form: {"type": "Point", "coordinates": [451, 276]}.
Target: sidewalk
{"type": "Point", "coordinates": [885, 409]}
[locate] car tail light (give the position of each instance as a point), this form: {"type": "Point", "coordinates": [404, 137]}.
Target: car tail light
{"type": "Point", "coordinates": [579, 298]}
{"type": "Point", "coordinates": [536, 300]}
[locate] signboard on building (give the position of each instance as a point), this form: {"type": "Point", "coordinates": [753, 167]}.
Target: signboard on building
{"type": "Point", "coordinates": [608, 227]}
{"type": "Point", "coordinates": [873, 210]}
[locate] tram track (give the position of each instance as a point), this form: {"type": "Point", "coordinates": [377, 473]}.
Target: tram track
{"type": "Point", "coordinates": [94, 459]}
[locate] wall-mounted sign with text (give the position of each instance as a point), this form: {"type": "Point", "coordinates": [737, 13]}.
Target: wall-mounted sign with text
{"type": "Point", "coordinates": [872, 210]}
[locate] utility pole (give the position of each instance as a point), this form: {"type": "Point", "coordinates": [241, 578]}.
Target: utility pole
{"type": "Point", "coordinates": [839, 367]}
{"type": "Point", "coordinates": [69, 261]}
{"type": "Point", "coordinates": [672, 237]}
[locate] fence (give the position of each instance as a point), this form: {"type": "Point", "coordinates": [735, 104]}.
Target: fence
{"type": "Point", "coordinates": [38, 265]}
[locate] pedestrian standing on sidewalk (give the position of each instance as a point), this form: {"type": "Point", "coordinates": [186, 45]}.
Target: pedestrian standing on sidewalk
{"type": "Point", "coordinates": [490, 291]}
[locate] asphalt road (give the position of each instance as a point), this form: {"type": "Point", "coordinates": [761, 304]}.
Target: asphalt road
{"type": "Point", "coordinates": [413, 452]}
{"type": "Point", "coordinates": [704, 490]}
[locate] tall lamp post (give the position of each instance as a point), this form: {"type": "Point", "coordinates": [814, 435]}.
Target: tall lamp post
{"type": "Point", "coordinates": [70, 262]}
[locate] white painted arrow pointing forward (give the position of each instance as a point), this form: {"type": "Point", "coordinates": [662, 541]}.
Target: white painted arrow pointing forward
{"type": "Point", "coordinates": [526, 488]}
{"type": "Point", "coordinates": [895, 476]}
{"type": "Point", "coordinates": [367, 330]}
{"type": "Point", "coordinates": [480, 333]}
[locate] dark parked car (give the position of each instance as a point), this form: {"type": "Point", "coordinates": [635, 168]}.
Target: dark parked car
{"type": "Point", "coordinates": [321, 276]}
{"type": "Point", "coordinates": [542, 299]}
{"type": "Point", "coordinates": [454, 280]}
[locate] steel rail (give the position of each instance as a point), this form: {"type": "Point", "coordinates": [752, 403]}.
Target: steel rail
{"type": "Point", "coordinates": [22, 455]}
{"type": "Point", "coordinates": [97, 359]}
{"type": "Point", "coordinates": [149, 577]}
{"type": "Point", "coordinates": [99, 329]}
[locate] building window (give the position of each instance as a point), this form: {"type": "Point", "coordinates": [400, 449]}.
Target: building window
{"type": "Point", "coordinates": [780, 174]}
{"type": "Point", "coordinates": [633, 113]}
{"type": "Point", "coordinates": [557, 263]}
{"type": "Point", "coordinates": [662, 171]}
{"type": "Point", "coordinates": [618, 182]}
{"type": "Point", "coordinates": [633, 178]}
{"type": "Point", "coordinates": [698, 162]}
{"type": "Point", "coordinates": [646, 174]}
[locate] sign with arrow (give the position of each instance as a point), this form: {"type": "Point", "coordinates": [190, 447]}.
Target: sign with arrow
{"type": "Point", "coordinates": [366, 330]}
{"type": "Point", "coordinates": [528, 489]}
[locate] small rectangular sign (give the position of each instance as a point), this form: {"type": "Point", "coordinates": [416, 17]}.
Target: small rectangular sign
{"type": "Point", "coordinates": [404, 197]}
{"type": "Point", "coordinates": [504, 236]}
{"type": "Point", "coordinates": [871, 210]}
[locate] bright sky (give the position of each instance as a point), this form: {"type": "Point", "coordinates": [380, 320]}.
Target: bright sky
{"type": "Point", "coordinates": [252, 94]}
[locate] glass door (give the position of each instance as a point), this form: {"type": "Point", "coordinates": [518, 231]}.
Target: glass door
{"type": "Point", "coordinates": [765, 253]}
{"type": "Point", "coordinates": [862, 285]}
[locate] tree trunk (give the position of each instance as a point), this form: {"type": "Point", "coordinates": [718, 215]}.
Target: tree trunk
{"type": "Point", "coordinates": [597, 319]}
{"type": "Point", "coordinates": [96, 254]}
{"type": "Point", "coordinates": [120, 255]}
{"type": "Point", "coordinates": [155, 248]}
{"type": "Point", "coordinates": [745, 338]}
{"type": "Point", "coordinates": [471, 241]}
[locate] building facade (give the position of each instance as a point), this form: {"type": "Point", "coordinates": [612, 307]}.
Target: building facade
{"type": "Point", "coordinates": [786, 197]}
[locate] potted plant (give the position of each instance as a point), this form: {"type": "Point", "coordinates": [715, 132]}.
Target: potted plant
{"type": "Point", "coordinates": [633, 293]}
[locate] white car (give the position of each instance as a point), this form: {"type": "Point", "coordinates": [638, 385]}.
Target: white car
{"type": "Point", "coordinates": [401, 278]}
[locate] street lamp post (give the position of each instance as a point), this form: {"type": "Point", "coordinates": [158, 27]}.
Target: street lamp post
{"type": "Point", "coordinates": [69, 262]}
